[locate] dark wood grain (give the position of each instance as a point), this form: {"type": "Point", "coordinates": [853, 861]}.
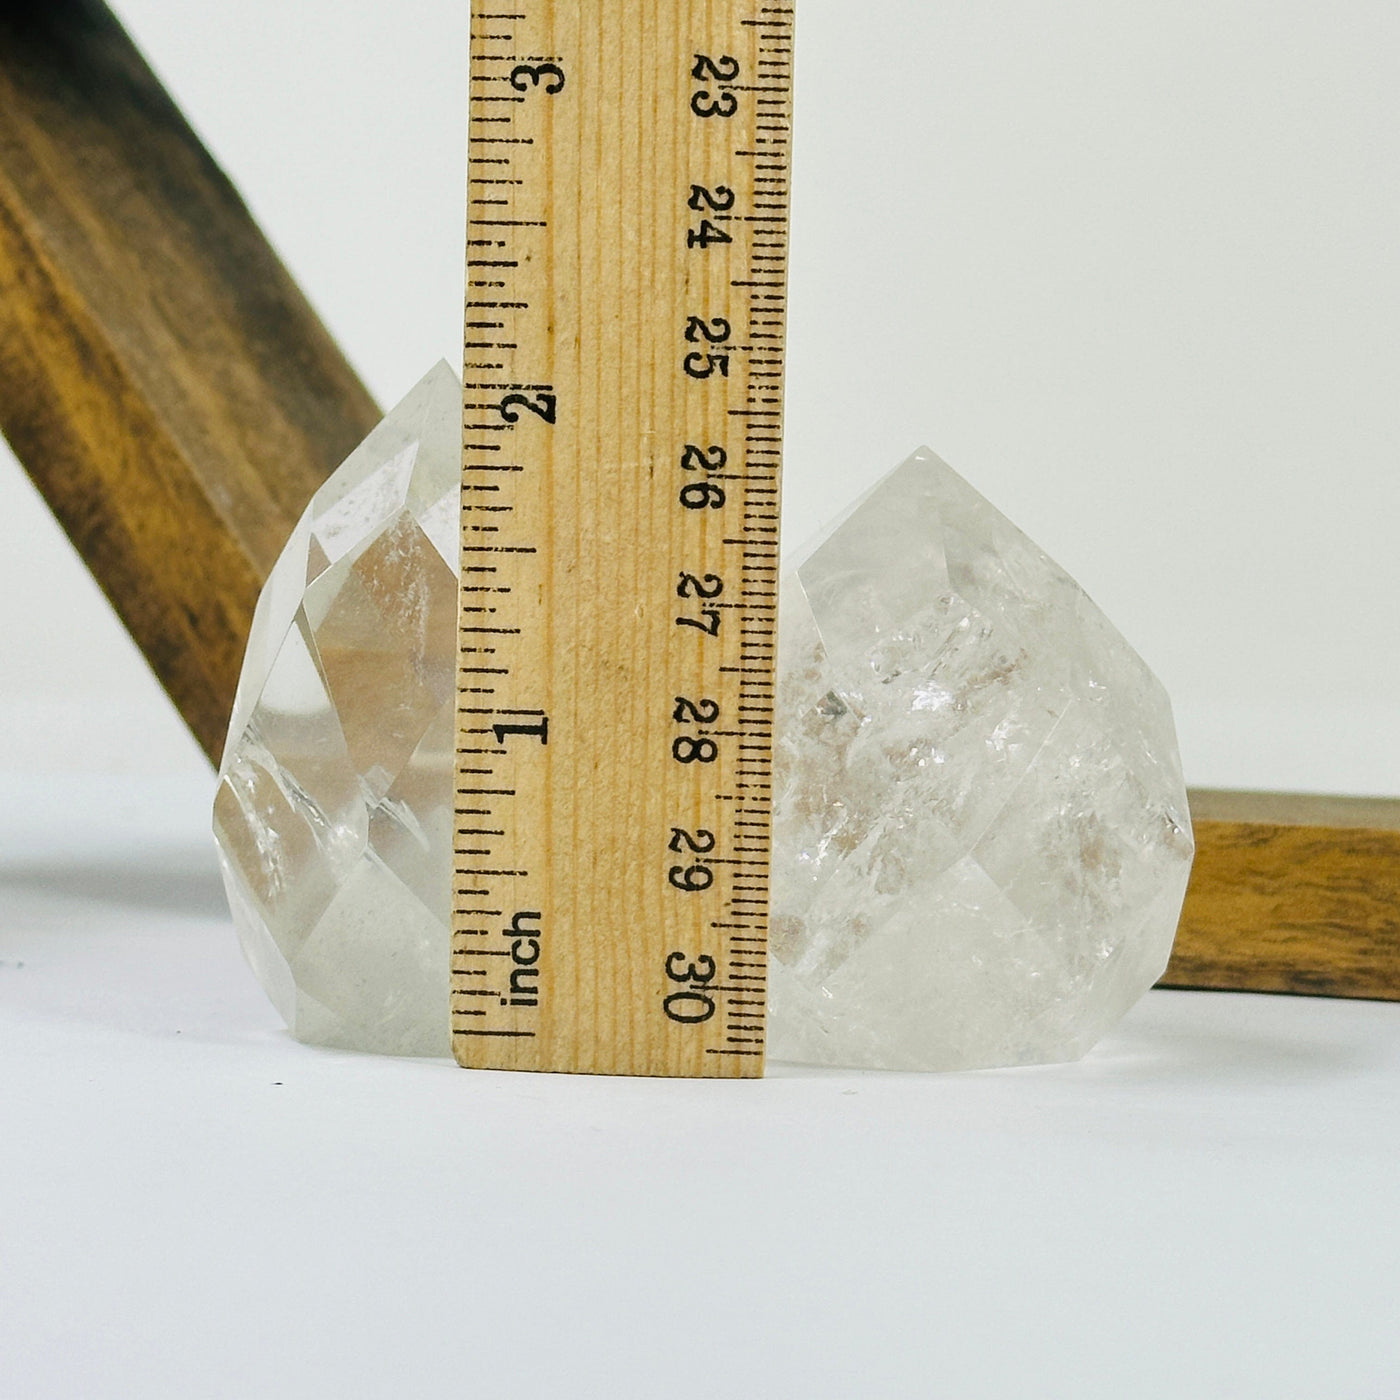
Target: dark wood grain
{"type": "Point", "coordinates": [1292, 894]}
{"type": "Point", "coordinates": [162, 379]}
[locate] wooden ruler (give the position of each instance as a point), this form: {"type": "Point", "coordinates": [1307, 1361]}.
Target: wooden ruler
{"type": "Point", "coordinates": [626, 301]}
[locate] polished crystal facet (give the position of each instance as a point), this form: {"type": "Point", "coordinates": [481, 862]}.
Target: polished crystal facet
{"type": "Point", "coordinates": [981, 838]}
{"type": "Point", "coordinates": [333, 813]}
{"type": "Point", "coordinates": [980, 821]}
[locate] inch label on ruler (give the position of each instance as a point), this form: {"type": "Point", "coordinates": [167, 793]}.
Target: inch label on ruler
{"type": "Point", "coordinates": [629, 168]}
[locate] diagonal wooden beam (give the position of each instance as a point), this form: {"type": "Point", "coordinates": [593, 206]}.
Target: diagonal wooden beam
{"type": "Point", "coordinates": [178, 402]}
{"type": "Point", "coordinates": [162, 379]}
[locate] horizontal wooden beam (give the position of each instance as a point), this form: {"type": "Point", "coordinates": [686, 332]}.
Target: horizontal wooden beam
{"type": "Point", "coordinates": [1292, 894]}
{"type": "Point", "coordinates": [162, 379]}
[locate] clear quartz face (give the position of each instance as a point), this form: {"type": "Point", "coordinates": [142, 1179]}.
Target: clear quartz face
{"type": "Point", "coordinates": [981, 835]}
{"type": "Point", "coordinates": [980, 824]}
{"type": "Point", "coordinates": [334, 808]}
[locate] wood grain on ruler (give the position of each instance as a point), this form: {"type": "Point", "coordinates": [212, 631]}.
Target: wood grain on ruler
{"type": "Point", "coordinates": [161, 378]}
{"type": "Point", "coordinates": [1292, 894]}
{"type": "Point", "coordinates": [623, 421]}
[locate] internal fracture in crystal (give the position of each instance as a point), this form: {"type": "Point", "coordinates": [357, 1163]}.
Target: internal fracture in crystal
{"type": "Point", "coordinates": [980, 825]}
{"type": "Point", "coordinates": [981, 835]}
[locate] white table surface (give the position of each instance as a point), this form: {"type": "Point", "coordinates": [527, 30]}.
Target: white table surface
{"type": "Point", "coordinates": [192, 1204]}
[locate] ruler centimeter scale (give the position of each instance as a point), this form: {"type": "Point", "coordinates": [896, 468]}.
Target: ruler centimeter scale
{"type": "Point", "coordinates": [629, 168]}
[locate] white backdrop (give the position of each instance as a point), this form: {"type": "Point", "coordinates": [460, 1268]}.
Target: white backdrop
{"type": "Point", "coordinates": [1129, 268]}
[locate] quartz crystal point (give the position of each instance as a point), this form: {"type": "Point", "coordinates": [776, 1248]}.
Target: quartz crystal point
{"type": "Point", "coordinates": [981, 831]}
{"type": "Point", "coordinates": [980, 821]}
{"type": "Point", "coordinates": [334, 808]}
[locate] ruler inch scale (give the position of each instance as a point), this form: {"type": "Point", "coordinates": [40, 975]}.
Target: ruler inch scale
{"type": "Point", "coordinates": [629, 177]}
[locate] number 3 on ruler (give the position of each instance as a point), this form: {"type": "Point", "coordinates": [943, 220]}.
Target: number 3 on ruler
{"type": "Point", "coordinates": [525, 76]}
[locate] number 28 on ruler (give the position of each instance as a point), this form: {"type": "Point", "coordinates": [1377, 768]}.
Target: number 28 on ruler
{"type": "Point", "coordinates": [627, 255]}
